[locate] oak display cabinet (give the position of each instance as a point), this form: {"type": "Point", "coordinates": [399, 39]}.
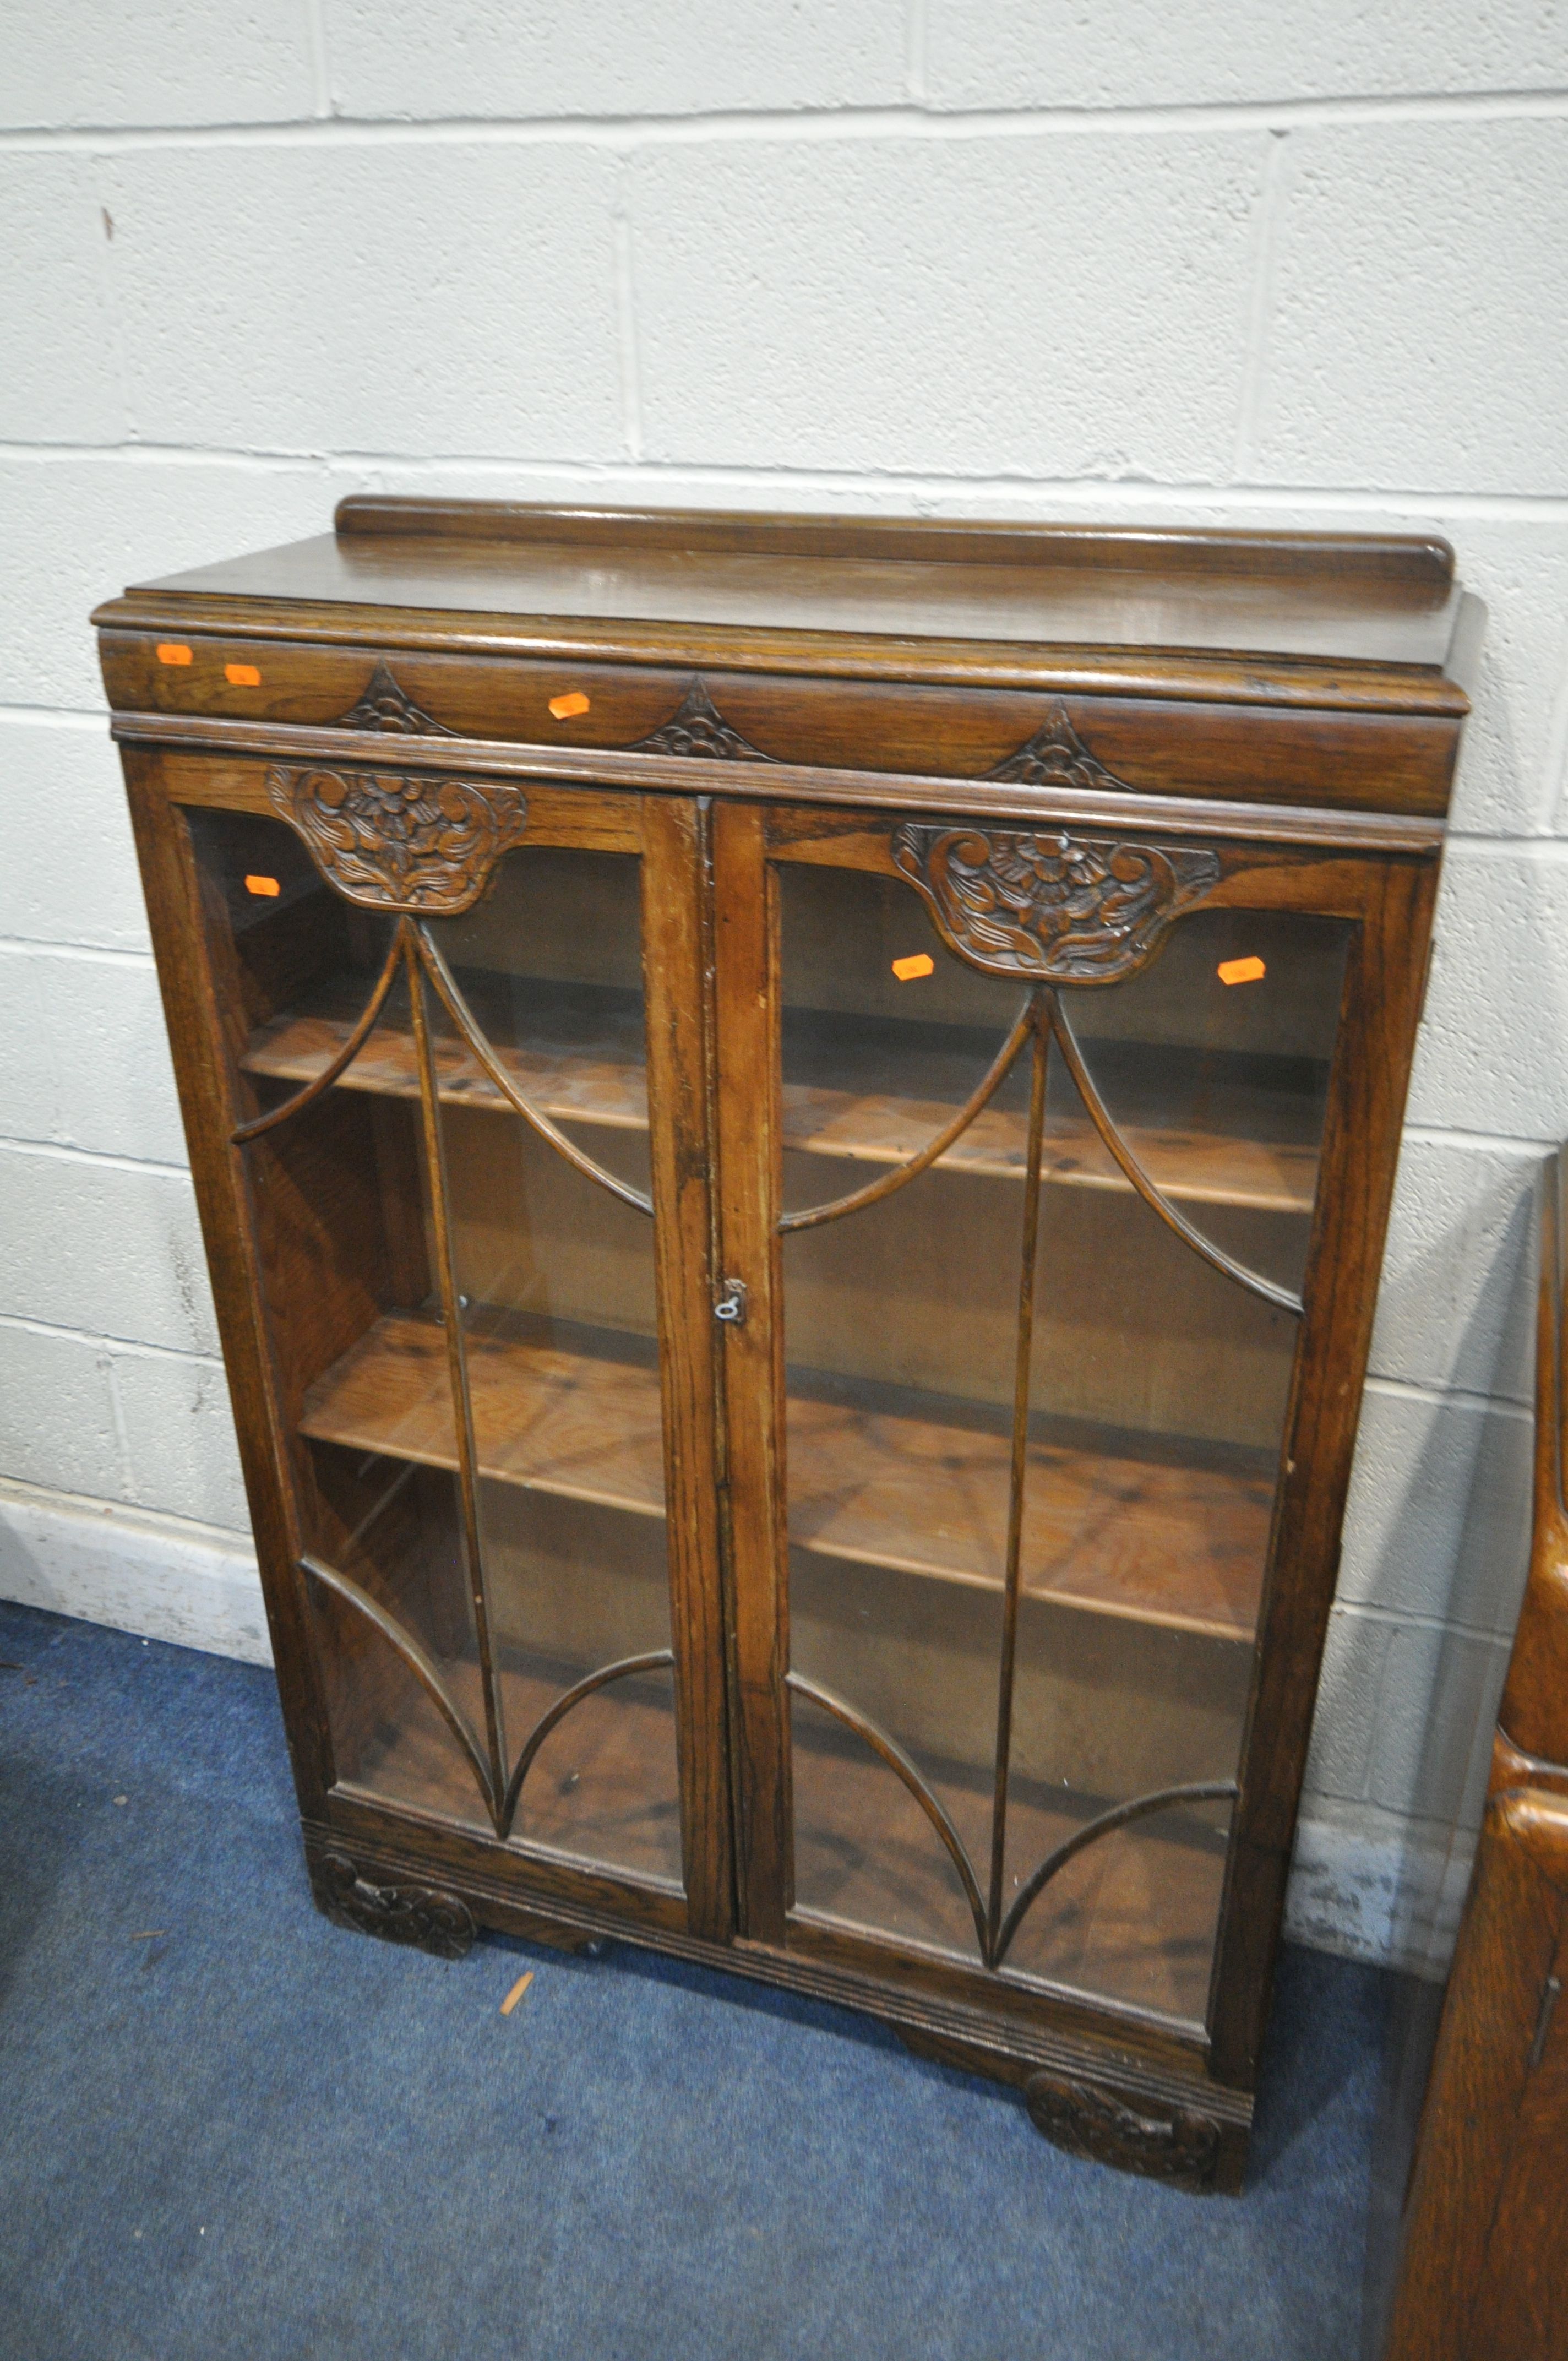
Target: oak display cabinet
{"type": "Point", "coordinates": [794, 1120]}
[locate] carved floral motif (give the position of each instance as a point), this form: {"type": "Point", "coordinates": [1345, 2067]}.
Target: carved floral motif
{"type": "Point", "coordinates": [1182, 2146]}
{"type": "Point", "coordinates": [697, 727]}
{"type": "Point", "coordinates": [384, 705]}
{"type": "Point", "coordinates": [1046, 904]}
{"type": "Point", "coordinates": [414, 1914]}
{"type": "Point", "coordinates": [400, 841]}
{"type": "Point", "coordinates": [1055, 756]}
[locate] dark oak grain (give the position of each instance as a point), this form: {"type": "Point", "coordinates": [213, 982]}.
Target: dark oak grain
{"type": "Point", "coordinates": [1269, 720]}
{"type": "Point", "coordinates": [1484, 2271]}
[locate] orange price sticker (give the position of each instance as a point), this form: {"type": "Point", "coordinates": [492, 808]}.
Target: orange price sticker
{"type": "Point", "coordinates": [1242, 970]}
{"type": "Point", "coordinates": [917, 963]}
{"type": "Point", "coordinates": [268, 886]}
{"type": "Point", "coordinates": [171, 652]}
{"type": "Point", "coordinates": [243, 676]}
{"type": "Point", "coordinates": [564, 707]}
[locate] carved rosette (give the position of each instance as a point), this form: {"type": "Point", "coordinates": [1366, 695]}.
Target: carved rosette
{"type": "Point", "coordinates": [414, 1914]}
{"type": "Point", "coordinates": [1048, 904]}
{"type": "Point", "coordinates": [1055, 756]}
{"type": "Point", "coordinates": [400, 841]}
{"type": "Point", "coordinates": [1182, 2148]}
{"type": "Point", "coordinates": [697, 727]}
{"type": "Point", "coordinates": [384, 705]}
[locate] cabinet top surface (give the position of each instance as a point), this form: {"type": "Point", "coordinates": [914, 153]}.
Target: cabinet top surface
{"type": "Point", "coordinates": [1343, 599]}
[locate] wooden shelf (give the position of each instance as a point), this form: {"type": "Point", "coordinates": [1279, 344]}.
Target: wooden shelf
{"type": "Point", "coordinates": [588, 1067]}
{"type": "Point", "coordinates": [1153, 1539]}
{"type": "Point", "coordinates": [584, 1065]}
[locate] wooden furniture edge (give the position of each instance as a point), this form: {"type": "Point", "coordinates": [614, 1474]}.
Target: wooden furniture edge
{"type": "Point", "coordinates": [1424, 560]}
{"type": "Point", "coordinates": [1463, 2248]}
{"type": "Point", "coordinates": [1329, 828]}
{"type": "Point", "coordinates": [1503, 1988]}
{"type": "Point", "coordinates": [1532, 1717]}
{"type": "Point", "coordinates": [1201, 677]}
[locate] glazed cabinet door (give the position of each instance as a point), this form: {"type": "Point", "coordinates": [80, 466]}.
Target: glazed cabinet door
{"type": "Point", "coordinates": [1021, 1172]}
{"type": "Point", "coordinates": [462, 1052]}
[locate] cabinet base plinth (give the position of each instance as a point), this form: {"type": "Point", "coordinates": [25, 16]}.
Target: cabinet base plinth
{"type": "Point", "coordinates": [415, 1915]}
{"type": "Point", "coordinates": [1113, 2121]}
{"type": "Point", "coordinates": [1102, 2101]}
{"type": "Point", "coordinates": [1182, 2147]}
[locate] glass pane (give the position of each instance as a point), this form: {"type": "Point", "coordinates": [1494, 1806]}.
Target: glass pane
{"type": "Point", "coordinates": [888, 1041]}
{"type": "Point", "coordinates": [1213, 1064]}
{"type": "Point", "coordinates": [1156, 1391]}
{"type": "Point", "coordinates": [899, 1343]}
{"type": "Point", "coordinates": [338, 1193]}
{"type": "Point", "coordinates": [550, 1563]}
{"type": "Point", "coordinates": [556, 1273]}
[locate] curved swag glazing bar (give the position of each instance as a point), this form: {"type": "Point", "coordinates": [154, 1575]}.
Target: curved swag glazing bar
{"type": "Point", "coordinates": [245, 1132]}
{"type": "Point", "coordinates": [424, 1668]}
{"type": "Point", "coordinates": [994, 1946]}
{"type": "Point", "coordinates": [1002, 1066]}
{"type": "Point", "coordinates": [884, 1185]}
{"type": "Point", "coordinates": [621, 1670]}
{"type": "Point", "coordinates": [419, 1665]}
{"type": "Point", "coordinates": [1105, 1124]}
{"type": "Point", "coordinates": [1159, 1799]}
{"type": "Point", "coordinates": [893, 1755]}
{"type": "Point", "coordinates": [468, 1024]}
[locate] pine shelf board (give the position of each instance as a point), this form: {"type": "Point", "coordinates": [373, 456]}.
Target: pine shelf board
{"type": "Point", "coordinates": [1152, 1540]}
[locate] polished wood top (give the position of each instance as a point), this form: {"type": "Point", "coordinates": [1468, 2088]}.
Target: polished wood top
{"type": "Point", "coordinates": [734, 582]}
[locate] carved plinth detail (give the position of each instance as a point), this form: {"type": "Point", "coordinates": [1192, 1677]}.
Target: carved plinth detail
{"type": "Point", "coordinates": [1055, 756]}
{"type": "Point", "coordinates": [400, 841]}
{"type": "Point", "coordinates": [1047, 904]}
{"type": "Point", "coordinates": [1182, 2148]}
{"type": "Point", "coordinates": [697, 727]}
{"type": "Point", "coordinates": [384, 705]}
{"type": "Point", "coordinates": [414, 1914]}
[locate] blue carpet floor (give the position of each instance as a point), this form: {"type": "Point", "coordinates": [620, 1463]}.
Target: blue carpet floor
{"type": "Point", "coordinates": [232, 2130]}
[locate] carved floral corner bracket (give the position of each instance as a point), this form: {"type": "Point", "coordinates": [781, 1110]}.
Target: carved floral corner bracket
{"type": "Point", "coordinates": [385, 706]}
{"type": "Point", "coordinates": [1048, 905]}
{"type": "Point", "coordinates": [1182, 2148]}
{"type": "Point", "coordinates": [400, 841]}
{"type": "Point", "coordinates": [1055, 756]}
{"type": "Point", "coordinates": [697, 727]}
{"type": "Point", "coordinates": [415, 1914]}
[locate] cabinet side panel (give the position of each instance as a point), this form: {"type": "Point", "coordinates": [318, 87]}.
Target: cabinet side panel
{"type": "Point", "coordinates": [1481, 2264]}
{"type": "Point", "coordinates": [1367, 1102]}
{"type": "Point", "coordinates": [193, 1009]}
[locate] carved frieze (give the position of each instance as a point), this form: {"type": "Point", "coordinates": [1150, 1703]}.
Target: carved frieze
{"type": "Point", "coordinates": [384, 705]}
{"type": "Point", "coordinates": [400, 841]}
{"type": "Point", "coordinates": [697, 727]}
{"type": "Point", "coordinates": [1182, 2148]}
{"type": "Point", "coordinates": [414, 1914]}
{"type": "Point", "coordinates": [1048, 904]}
{"type": "Point", "coordinates": [1055, 756]}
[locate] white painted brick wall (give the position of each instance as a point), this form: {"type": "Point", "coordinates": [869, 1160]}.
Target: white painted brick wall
{"type": "Point", "coordinates": [604, 58]}
{"type": "Point", "coordinates": [995, 307]}
{"type": "Point", "coordinates": [986, 256]}
{"type": "Point", "coordinates": [1072, 54]}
